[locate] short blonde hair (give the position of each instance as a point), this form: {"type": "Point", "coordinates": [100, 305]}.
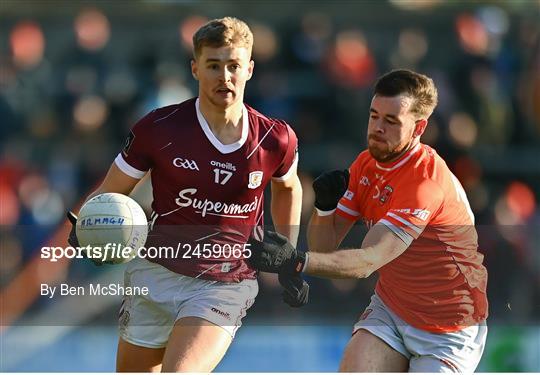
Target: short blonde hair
{"type": "Point", "coordinates": [227, 31]}
{"type": "Point", "coordinates": [418, 86]}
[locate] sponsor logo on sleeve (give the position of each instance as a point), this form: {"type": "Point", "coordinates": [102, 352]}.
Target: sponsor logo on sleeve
{"type": "Point", "coordinates": [348, 195]}
{"type": "Point", "coordinates": [128, 142]}
{"type": "Point", "coordinates": [255, 179]}
{"type": "Point", "coordinates": [421, 214]}
{"type": "Point", "coordinates": [416, 212]}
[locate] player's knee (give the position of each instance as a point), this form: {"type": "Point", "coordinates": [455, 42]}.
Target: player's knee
{"type": "Point", "coordinates": [133, 358]}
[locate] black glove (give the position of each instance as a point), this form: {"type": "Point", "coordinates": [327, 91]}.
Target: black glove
{"type": "Point", "coordinates": [74, 241]}
{"type": "Point", "coordinates": [329, 187]}
{"type": "Point", "coordinates": [276, 255]}
{"type": "Point", "coordinates": [295, 289]}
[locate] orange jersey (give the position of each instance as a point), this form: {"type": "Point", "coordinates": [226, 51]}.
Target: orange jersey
{"type": "Point", "coordinates": [439, 283]}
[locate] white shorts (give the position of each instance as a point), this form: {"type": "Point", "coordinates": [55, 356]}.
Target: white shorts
{"type": "Point", "coordinates": [458, 351]}
{"type": "Point", "coordinates": [147, 320]}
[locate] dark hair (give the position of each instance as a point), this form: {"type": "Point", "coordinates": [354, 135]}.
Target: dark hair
{"type": "Point", "coordinates": [418, 86]}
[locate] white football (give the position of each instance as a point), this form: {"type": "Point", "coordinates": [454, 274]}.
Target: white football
{"type": "Point", "coordinates": [113, 223]}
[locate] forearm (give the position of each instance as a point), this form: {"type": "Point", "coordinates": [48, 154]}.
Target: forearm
{"type": "Point", "coordinates": [286, 207]}
{"type": "Point", "coordinates": [343, 264]}
{"type": "Point", "coordinates": [115, 182]}
{"type": "Point", "coordinates": [321, 233]}
{"type": "Point", "coordinates": [100, 190]}
{"type": "Point", "coordinates": [380, 246]}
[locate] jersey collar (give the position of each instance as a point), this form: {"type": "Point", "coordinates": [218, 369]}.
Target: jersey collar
{"type": "Point", "coordinates": [224, 149]}
{"type": "Point", "coordinates": [398, 163]}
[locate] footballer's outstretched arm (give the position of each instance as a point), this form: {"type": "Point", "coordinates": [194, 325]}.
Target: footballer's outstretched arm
{"type": "Point", "coordinates": [380, 246]}
{"type": "Point", "coordinates": [115, 181]}
{"type": "Point", "coordinates": [286, 206]}
{"type": "Point", "coordinates": [325, 233]}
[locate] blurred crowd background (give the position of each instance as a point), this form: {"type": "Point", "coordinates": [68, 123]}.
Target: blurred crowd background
{"type": "Point", "coordinates": [75, 76]}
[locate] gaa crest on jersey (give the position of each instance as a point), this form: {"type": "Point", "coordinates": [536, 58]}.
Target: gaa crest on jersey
{"type": "Point", "coordinates": [186, 164]}
{"type": "Point", "coordinates": [255, 179]}
{"type": "Point", "coordinates": [385, 195]}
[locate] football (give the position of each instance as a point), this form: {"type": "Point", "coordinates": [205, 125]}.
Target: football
{"type": "Point", "coordinates": [113, 227]}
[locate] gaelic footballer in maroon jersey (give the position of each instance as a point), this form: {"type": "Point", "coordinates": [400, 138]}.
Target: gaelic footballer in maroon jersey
{"type": "Point", "coordinates": [209, 160]}
{"type": "Point", "coordinates": [217, 195]}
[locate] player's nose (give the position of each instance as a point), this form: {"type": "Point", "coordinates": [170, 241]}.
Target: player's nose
{"type": "Point", "coordinates": [378, 126]}
{"type": "Point", "coordinates": [225, 75]}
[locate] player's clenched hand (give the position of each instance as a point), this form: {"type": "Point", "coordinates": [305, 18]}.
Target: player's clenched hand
{"type": "Point", "coordinates": [329, 187]}
{"type": "Point", "coordinates": [295, 289]}
{"type": "Point", "coordinates": [74, 241]}
{"type": "Point", "coordinates": [276, 254]}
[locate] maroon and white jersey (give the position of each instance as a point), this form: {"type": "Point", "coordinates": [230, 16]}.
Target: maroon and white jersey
{"type": "Point", "coordinates": [206, 192]}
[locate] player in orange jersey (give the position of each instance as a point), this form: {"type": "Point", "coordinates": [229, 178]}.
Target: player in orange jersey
{"type": "Point", "coordinates": [429, 308]}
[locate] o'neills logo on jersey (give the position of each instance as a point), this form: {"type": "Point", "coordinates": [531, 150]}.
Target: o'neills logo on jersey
{"type": "Point", "coordinates": [208, 207]}
{"type": "Point", "coordinates": [227, 166]}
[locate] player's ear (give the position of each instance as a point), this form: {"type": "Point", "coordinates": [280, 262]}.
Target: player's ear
{"type": "Point", "coordinates": [250, 68]}
{"type": "Point", "coordinates": [420, 127]}
{"type": "Point", "coordinates": [194, 67]}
